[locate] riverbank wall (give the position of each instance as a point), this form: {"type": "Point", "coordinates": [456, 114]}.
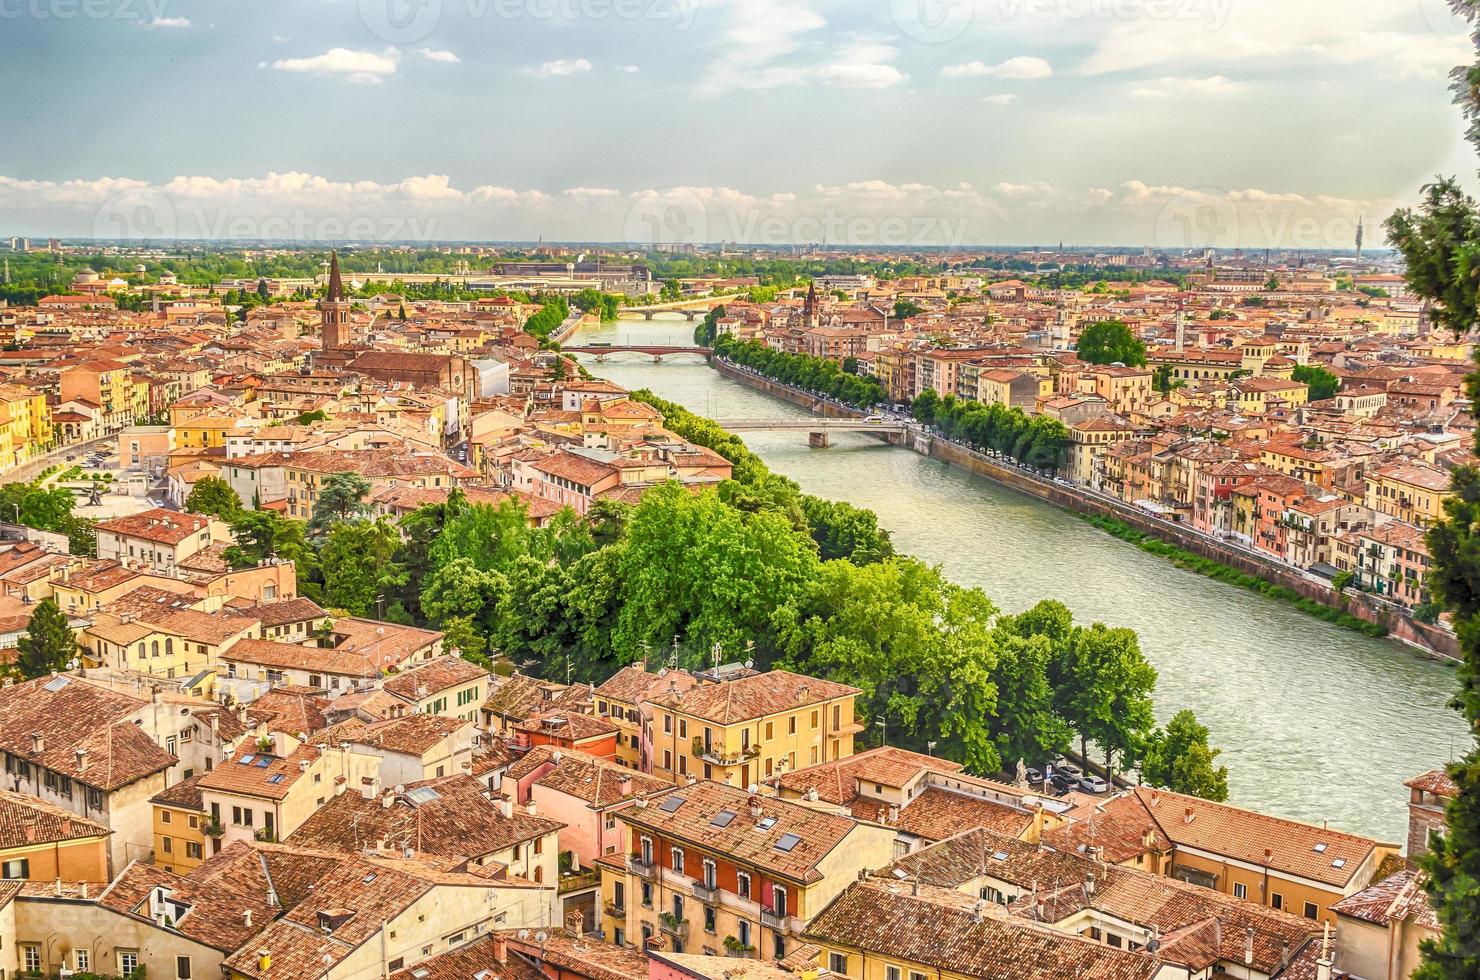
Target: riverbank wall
{"type": "Point", "coordinates": [1432, 640]}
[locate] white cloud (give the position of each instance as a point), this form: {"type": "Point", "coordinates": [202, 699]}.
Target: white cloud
{"type": "Point", "coordinates": [1274, 34]}
{"type": "Point", "coordinates": [281, 38]}
{"type": "Point", "coordinates": [166, 22]}
{"type": "Point", "coordinates": [758, 36]}
{"type": "Point", "coordinates": [1213, 85]}
{"type": "Point", "coordinates": [446, 57]}
{"type": "Point", "coordinates": [1022, 68]}
{"type": "Point", "coordinates": [863, 64]}
{"type": "Point", "coordinates": [592, 192]}
{"type": "Point", "coordinates": [627, 69]}
{"type": "Point", "coordinates": [1001, 99]}
{"type": "Point", "coordinates": [561, 67]}
{"type": "Point", "coordinates": [365, 67]}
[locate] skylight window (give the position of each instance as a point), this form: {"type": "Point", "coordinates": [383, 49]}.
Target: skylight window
{"type": "Point", "coordinates": [671, 804]}
{"type": "Point", "coordinates": [422, 794]}
{"type": "Point", "coordinates": [1339, 863]}
{"type": "Point", "coordinates": [722, 819]}
{"type": "Point", "coordinates": [56, 684]}
{"type": "Point", "coordinates": [786, 842]}
{"type": "Point", "coordinates": [1320, 848]}
{"type": "Point", "coordinates": [275, 778]}
{"type": "Point", "coordinates": [765, 823]}
{"type": "Point", "coordinates": [245, 760]}
{"type": "Point", "coordinates": [999, 855]}
{"type": "Point", "coordinates": [263, 761]}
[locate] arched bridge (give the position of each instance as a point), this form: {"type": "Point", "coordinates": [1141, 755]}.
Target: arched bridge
{"type": "Point", "coordinates": [690, 308]}
{"type": "Point", "coordinates": [819, 431]}
{"type": "Point", "coordinates": [656, 351]}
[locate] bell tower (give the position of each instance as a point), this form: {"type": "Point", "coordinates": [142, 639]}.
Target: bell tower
{"type": "Point", "coordinates": [334, 323]}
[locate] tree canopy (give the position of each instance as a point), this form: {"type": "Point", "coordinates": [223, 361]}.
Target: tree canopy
{"type": "Point", "coordinates": [213, 497]}
{"type": "Point", "coordinates": [1110, 342]}
{"type": "Point", "coordinates": [1322, 383]}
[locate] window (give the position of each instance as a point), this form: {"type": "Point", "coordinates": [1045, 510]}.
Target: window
{"type": "Point", "coordinates": [667, 724]}
{"type": "Point", "coordinates": [169, 845]}
{"type": "Point", "coordinates": [1240, 890]}
{"type": "Point", "coordinates": [891, 973]}
{"type": "Point", "coordinates": [742, 929]}
{"type": "Point", "coordinates": [778, 945]}
{"type": "Point", "coordinates": [742, 884]}
{"type": "Point", "coordinates": [709, 918]}
{"type": "Point", "coordinates": [1310, 910]}
{"type": "Point", "coordinates": [1277, 901]}
{"type": "Point", "coordinates": [182, 967]}
{"type": "Point", "coordinates": [837, 962]}
{"type": "Point", "coordinates": [192, 849]}
{"type": "Point", "coordinates": [31, 958]}
{"type": "Point", "coordinates": [791, 725]}
{"type": "Point", "coordinates": [683, 728]}
{"type": "Point", "coordinates": [770, 730]}
{"type": "Point", "coordinates": [814, 725]}
{"type": "Point", "coordinates": [678, 860]}
{"type": "Point", "coordinates": [128, 961]}
{"type": "Point", "coordinates": [81, 960]}
{"type": "Point", "coordinates": [778, 899]}
{"type": "Point", "coordinates": [20, 868]}
{"type": "Point", "coordinates": [647, 894]}
{"type": "Point", "coordinates": [164, 816]}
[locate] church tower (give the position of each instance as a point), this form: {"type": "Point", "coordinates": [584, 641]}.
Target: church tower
{"type": "Point", "coordinates": [809, 308]}
{"type": "Point", "coordinates": [334, 325]}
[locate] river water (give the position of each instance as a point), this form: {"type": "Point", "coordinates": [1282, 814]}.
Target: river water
{"type": "Point", "coordinates": [1316, 722]}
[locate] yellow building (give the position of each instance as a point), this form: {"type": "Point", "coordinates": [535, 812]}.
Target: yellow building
{"type": "Point", "coordinates": [25, 425]}
{"type": "Point", "coordinates": [748, 729]}
{"type": "Point", "coordinates": [1258, 395]}
{"type": "Point", "coordinates": [43, 842]}
{"type": "Point", "coordinates": [712, 868]}
{"type": "Point", "coordinates": [206, 431]}
{"type": "Point", "coordinates": [180, 825]}
{"type": "Point", "coordinates": [1412, 492]}
{"type": "Point", "coordinates": [623, 700]}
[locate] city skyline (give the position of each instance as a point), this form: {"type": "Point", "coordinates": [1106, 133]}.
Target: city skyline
{"type": "Point", "coordinates": [1160, 123]}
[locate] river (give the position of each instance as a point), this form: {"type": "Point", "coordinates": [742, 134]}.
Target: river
{"type": "Point", "coordinates": [1315, 722]}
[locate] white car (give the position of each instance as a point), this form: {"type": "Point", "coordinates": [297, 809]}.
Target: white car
{"type": "Point", "coordinates": [1091, 783]}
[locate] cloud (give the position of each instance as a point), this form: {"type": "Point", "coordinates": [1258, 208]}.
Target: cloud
{"type": "Point", "coordinates": [1019, 69]}
{"type": "Point", "coordinates": [446, 57]}
{"type": "Point", "coordinates": [167, 22]}
{"type": "Point", "coordinates": [592, 192]}
{"type": "Point", "coordinates": [1274, 34]}
{"type": "Point", "coordinates": [1001, 99]}
{"type": "Point", "coordinates": [281, 38]}
{"type": "Point", "coordinates": [561, 67]}
{"type": "Point", "coordinates": [364, 67]}
{"type": "Point", "coordinates": [863, 64]}
{"type": "Point", "coordinates": [758, 35]}
{"type": "Point", "coordinates": [1213, 85]}
{"type": "Point", "coordinates": [627, 69]}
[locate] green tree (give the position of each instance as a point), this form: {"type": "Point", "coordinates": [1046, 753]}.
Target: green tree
{"type": "Point", "coordinates": [1111, 342]}
{"type": "Point", "coordinates": [49, 644]}
{"type": "Point", "coordinates": [213, 496]}
{"type": "Point", "coordinates": [1180, 759]}
{"type": "Point", "coordinates": [844, 531]}
{"type": "Point", "coordinates": [925, 406]}
{"type": "Point", "coordinates": [1109, 683]}
{"type": "Point", "coordinates": [1322, 383]}
{"type": "Point", "coordinates": [358, 560]}
{"type": "Point", "coordinates": [341, 498]}
{"type": "Point", "coordinates": [1440, 244]}
{"type": "Point", "coordinates": [904, 309]}
{"type": "Point", "coordinates": [708, 328]}
{"type": "Point", "coordinates": [262, 534]}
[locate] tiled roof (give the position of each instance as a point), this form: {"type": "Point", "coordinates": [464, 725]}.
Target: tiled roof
{"type": "Point", "coordinates": [1401, 897]}
{"type": "Point", "coordinates": [185, 794]}
{"type": "Point", "coordinates": [213, 914]}
{"type": "Point", "coordinates": [837, 781]}
{"type": "Point", "coordinates": [567, 724]}
{"type": "Point", "coordinates": [447, 818]}
{"type": "Point", "coordinates": [414, 734]}
{"type": "Point", "coordinates": [1435, 781]}
{"type": "Point", "coordinates": [1304, 850]}
{"type": "Point", "coordinates": [71, 716]}
{"type": "Point", "coordinates": [742, 838]}
{"type": "Point", "coordinates": [635, 683]}
{"type": "Point", "coordinates": [439, 674]}
{"type": "Point", "coordinates": [477, 959]}
{"type": "Point", "coordinates": [939, 813]}
{"type": "Point", "coordinates": [756, 696]}
{"type": "Point", "coordinates": [259, 774]}
{"type": "Point", "coordinates": [980, 852]}
{"type": "Point", "coordinates": [599, 784]}
{"type": "Point", "coordinates": [27, 820]}
{"type": "Point", "coordinates": [158, 525]}
{"type": "Point", "coordinates": [1120, 828]}
{"type": "Point", "coordinates": [939, 929]}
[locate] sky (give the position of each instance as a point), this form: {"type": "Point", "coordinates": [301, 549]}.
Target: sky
{"type": "Point", "coordinates": [1177, 124]}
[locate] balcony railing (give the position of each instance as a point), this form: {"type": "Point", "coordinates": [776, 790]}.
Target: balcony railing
{"type": "Point", "coordinates": [615, 911]}
{"type": "Point", "coordinates": [775, 920]}
{"type": "Point", "coordinates": [639, 867]}
{"type": "Point", "coordinates": [677, 928]}
{"type": "Point", "coordinates": [708, 894]}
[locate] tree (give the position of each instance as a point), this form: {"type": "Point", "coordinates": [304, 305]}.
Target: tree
{"type": "Point", "coordinates": [1111, 342]}
{"type": "Point", "coordinates": [341, 498]}
{"type": "Point", "coordinates": [49, 644]}
{"type": "Point", "coordinates": [359, 565]}
{"type": "Point", "coordinates": [925, 406]}
{"type": "Point", "coordinates": [904, 309]}
{"type": "Point", "coordinates": [1439, 247]}
{"type": "Point", "coordinates": [1322, 383]}
{"type": "Point", "coordinates": [213, 496]}
{"type": "Point", "coordinates": [1272, 284]}
{"type": "Point", "coordinates": [706, 331]}
{"type": "Point", "coordinates": [1105, 694]}
{"type": "Point", "coordinates": [1179, 758]}
{"type": "Point", "coordinates": [263, 534]}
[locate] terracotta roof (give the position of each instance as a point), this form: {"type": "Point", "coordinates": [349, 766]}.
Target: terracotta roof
{"type": "Point", "coordinates": [414, 734]}
{"type": "Point", "coordinates": [756, 696]}
{"type": "Point", "coordinates": [1401, 897]}
{"type": "Point", "coordinates": [26, 820]}
{"type": "Point", "coordinates": [598, 784]}
{"type": "Point", "coordinates": [688, 814]}
{"type": "Point", "coordinates": [448, 819]}
{"type": "Point", "coordinates": [209, 912]}
{"type": "Point", "coordinates": [439, 674]}
{"type": "Point", "coordinates": [477, 959]}
{"type": "Point", "coordinates": [262, 775]}
{"type": "Point", "coordinates": [84, 731]}
{"type": "Point", "coordinates": [1436, 781]}
{"type": "Point", "coordinates": [567, 724]}
{"type": "Point", "coordinates": [158, 525]}
{"type": "Point", "coordinates": [837, 781]}
{"type": "Point", "coordinates": [185, 794]}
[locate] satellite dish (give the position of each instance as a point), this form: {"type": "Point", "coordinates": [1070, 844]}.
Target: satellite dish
{"type": "Point", "coordinates": [523, 933]}
{"type": "Point", "coordinates": [540, 937]}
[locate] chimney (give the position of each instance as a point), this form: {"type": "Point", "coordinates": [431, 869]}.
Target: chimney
{"type": "Point", "coordinates": [388, 799]}
{"type": "Point", "coordinates": [1187, 815]}
{"type": "Point", "coordinates": [81, 760]}
{"type": "Point", "coordinates": [247, 918]}
{"type": "Point", "coordinates": [506, 808]}
{"type": "Point", "coordinates": [369, 787]}
{"type": "Point", "coordinates": [38, 743]}
{"type": "Point", "coordinates": [66, 826]}
{"type": "Point", "coordinates": [1323, 965]}
{"type": "Point", "coordinates": [1249, 946]}
{"type": "Point", "coordinates": [531, 809]}
{"type": "Point", "coordinates": [755, 806]}
{"type": "Point", "coordinates": [625, 786]}
{"type": "Point", "coordinates": [82, 890]}
{"type": "Point", "coordinates": [264, 961]}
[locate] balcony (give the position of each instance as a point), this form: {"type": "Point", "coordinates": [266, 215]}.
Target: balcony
{"type": "Point", "coordinates": [636, 865]}
{"type": "Point", "coordinates": [615, 911]}
{"type": "Point", "coordinates": [708, 894]}
{"type": "Point", "coordinates": [578, 881]}
{"type": "Point", "coordinates": [672, 926]}
{"type": "Point", "coordinates": [775, 920]}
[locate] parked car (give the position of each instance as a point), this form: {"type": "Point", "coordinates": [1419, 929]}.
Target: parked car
{"type": "Point", "coordinates": [1061, 782]}
{"type": "Point", "coordinates": [1068, 769]}
{"type": "Point", "coordinates": [71, 457]}
{"type": "Point", "coordinates": [1033, 775]}
{"type": "Point", "coordinates": [1091, 783]}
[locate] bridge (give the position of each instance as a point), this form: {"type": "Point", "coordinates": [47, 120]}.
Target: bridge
{"type": "Point", "coordinates": [656, 351]}
{"type": "Point", "coordinates": [690, 308]}
{"type": "Point", "coordinates": [819, 431]}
